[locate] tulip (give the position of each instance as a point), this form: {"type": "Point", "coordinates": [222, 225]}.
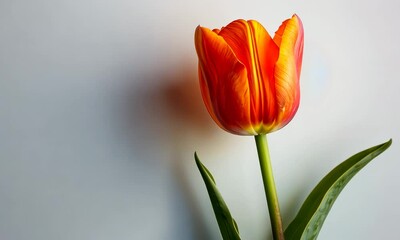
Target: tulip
{"type": "Point", "coordinates": [249, 81]}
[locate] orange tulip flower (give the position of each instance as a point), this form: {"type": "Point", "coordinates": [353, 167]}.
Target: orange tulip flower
{"type": "Point", "coordinates": [250, 81]}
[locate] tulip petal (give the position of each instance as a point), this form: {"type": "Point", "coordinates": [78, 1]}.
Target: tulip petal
{"type": "Point", "coordinates": [255, 48]}
{"type": "Point", "coordinates": [289, 38]}
{"type": "Point", "coordinates": [267, 55]}
{"type": "Point", "coordinates": [223, 82]}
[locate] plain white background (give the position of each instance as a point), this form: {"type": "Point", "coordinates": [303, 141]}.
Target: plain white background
{"type": "Point", "coordinates": [100, 113]}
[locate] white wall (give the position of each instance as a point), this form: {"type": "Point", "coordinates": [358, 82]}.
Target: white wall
{"type": "Point", "coordinates": [100, 114]}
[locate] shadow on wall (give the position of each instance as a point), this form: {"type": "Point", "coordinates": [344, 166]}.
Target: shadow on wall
{"type": "Point", "coordinates": [163, 115]}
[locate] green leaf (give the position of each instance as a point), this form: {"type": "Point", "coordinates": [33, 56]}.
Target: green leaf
{"type": "Point", "coordinates": [308, 222]}
{"type": "Point", "coordinates": [226, 223]}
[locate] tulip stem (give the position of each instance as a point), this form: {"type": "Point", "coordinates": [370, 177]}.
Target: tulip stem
{"type": "Point", "coordinates": [269, 186]}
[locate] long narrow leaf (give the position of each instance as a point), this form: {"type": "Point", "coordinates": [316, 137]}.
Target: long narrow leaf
{"type": "Point", "coordinates": [308, 222]}
{"type": "Point", "coordinates": [226, 223]}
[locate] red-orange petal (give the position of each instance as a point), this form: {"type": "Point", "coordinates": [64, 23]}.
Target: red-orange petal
{"type": "Point", "coordinates": [254, 47]}
{"type": "Point", "coordinates": [223, 82]}
{"type": "Point", "coordinates": [289, 38]}
{"type": "Point", "coordinates": [266, 55]}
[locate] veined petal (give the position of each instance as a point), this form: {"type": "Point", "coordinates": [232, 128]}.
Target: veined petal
{"type": "Point", "coordinates": [255, 48]}
{"type": "Point", "coordinates": [295, 34]}
{"type": "Point", "coordinates": [267, 53]}
{"type": "Point", "coordinates": [289, 38]}
{"type": "Point", "coordinates": [223, 82]}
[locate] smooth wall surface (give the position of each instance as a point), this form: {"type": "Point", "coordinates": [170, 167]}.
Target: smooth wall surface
{"type": "Point", "coordinates": [100, 113]}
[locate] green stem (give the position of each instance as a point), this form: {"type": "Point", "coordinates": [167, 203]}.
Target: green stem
{"type": "Point", "coordinates": [269, 186]}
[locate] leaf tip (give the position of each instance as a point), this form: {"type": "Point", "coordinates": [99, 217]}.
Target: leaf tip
{"type": "Point", "coordinates": [387, 144]}
{"type": "Point", "coordinates": [196, 158]}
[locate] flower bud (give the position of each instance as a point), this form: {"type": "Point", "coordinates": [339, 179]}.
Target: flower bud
{"type": "Point", "coordinates": [249, 81]}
